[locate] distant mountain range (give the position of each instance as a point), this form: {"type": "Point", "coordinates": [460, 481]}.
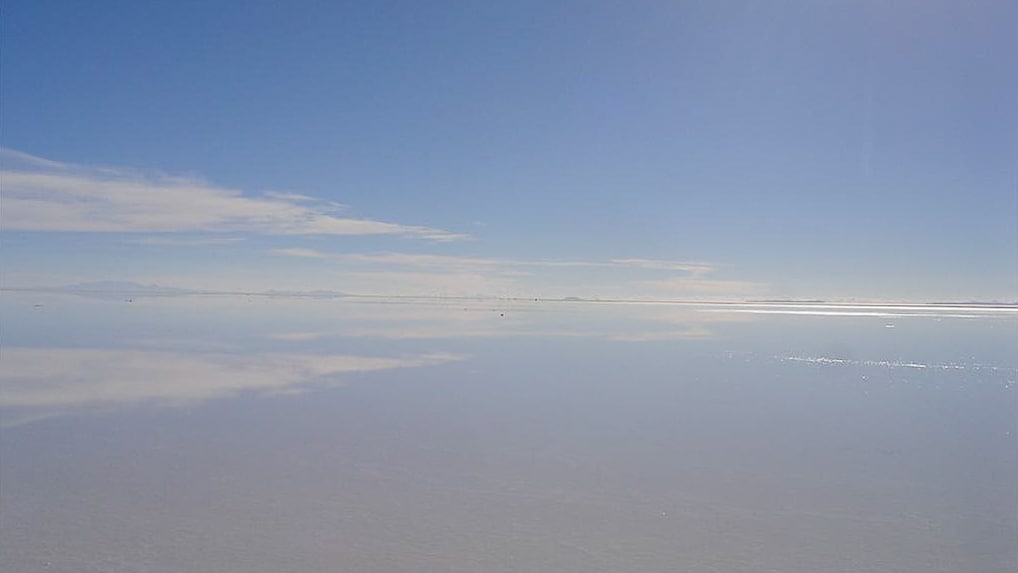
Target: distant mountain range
{"type": "Point", "coordinates": [124, 288]}
{"type": "Point", "coordinates": [129, 288]}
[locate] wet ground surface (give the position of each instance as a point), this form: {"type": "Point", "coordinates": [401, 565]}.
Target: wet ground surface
{"type": "Point", "coordinates": [236, 433]}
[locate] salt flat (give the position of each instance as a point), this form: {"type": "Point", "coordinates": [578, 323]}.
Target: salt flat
{"type": "Point", "coordinates": [235, 433]}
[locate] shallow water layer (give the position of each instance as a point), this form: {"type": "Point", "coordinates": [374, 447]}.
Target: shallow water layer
{"type": "Point", "coordinates": [246, 433]}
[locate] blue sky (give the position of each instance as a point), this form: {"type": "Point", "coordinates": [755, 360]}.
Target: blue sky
{"type": "Point", "coordinates": [635, 149]}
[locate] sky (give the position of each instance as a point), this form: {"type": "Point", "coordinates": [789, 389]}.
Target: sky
{"type": "Point", "coordinates": [680, 150]}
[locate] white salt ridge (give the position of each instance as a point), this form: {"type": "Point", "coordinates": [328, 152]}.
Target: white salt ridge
{"type": "Point", "coordinates": [826, 360]}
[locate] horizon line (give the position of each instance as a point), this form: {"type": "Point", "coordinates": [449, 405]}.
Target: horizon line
{"type": "Point", "coordinates": [151, 291]}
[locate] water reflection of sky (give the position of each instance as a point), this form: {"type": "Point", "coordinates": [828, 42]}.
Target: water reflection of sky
{"type": "Point", "coordinates": [266, 434]}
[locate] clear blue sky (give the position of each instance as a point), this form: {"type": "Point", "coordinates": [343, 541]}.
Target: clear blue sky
{"type": "Point", "coordinates": [683, 149]}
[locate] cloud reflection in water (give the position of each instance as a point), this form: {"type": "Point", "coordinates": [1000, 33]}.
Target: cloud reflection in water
{"type": "Point", "coordinates": [68, 378]}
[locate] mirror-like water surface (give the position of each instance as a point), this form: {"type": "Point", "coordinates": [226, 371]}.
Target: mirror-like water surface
{"type": "Point", "coordinates": [247, 433]}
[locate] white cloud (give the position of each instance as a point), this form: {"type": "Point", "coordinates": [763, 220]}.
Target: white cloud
{"type": "Point", "coordinates": [447, 283]}
{"type": "Point", "coordinates": [203, 241]}
{"type": "Point", "coordinates": [610, 279]}
{"type": "Point", "coordinates": [512, 318]}
{"type": "Point", "coordinates": [44, 195]}
{"type": "Point", "coordinates": [421, 260]}
{"type": "Point", "coordinates": [438, 332]}
{"type": "Point", "coordinates": [698, 288]}
{"type": "Point", "coordinates": [296, 197]}
{"type": "Point", "coordinates": [304, 253]}
{"type": "Point", "coordinates": [419, 274]}
{"type": "Point", "coordinates": [695, 269]}
{"type": "Point", "coordinates": [73, 377]}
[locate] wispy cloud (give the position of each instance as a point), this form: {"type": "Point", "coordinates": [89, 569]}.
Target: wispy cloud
{"type": "Point", "coordinates": [401, 273]}
{"type": "Point", "coordinates": [73, 377]}
{"type": "Point", "coordinates": [304, 253]}
{"type": "Point", "coordinates": [421, 260]}
{"type": "Point", "coordinates": [44, 195]}
{"type": "Point", "coordinates": [437, 283]}
{"type": "Point", "coordinates": [695, 269]}
{"type": "Point", "coordinates": [203, 241]}
{"type": "Point", "coordinates": [519, 318]}
{"type": "Point", "coordinates": [701, 287]}
{"type": "Point", "coordinates": [297, 197]}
